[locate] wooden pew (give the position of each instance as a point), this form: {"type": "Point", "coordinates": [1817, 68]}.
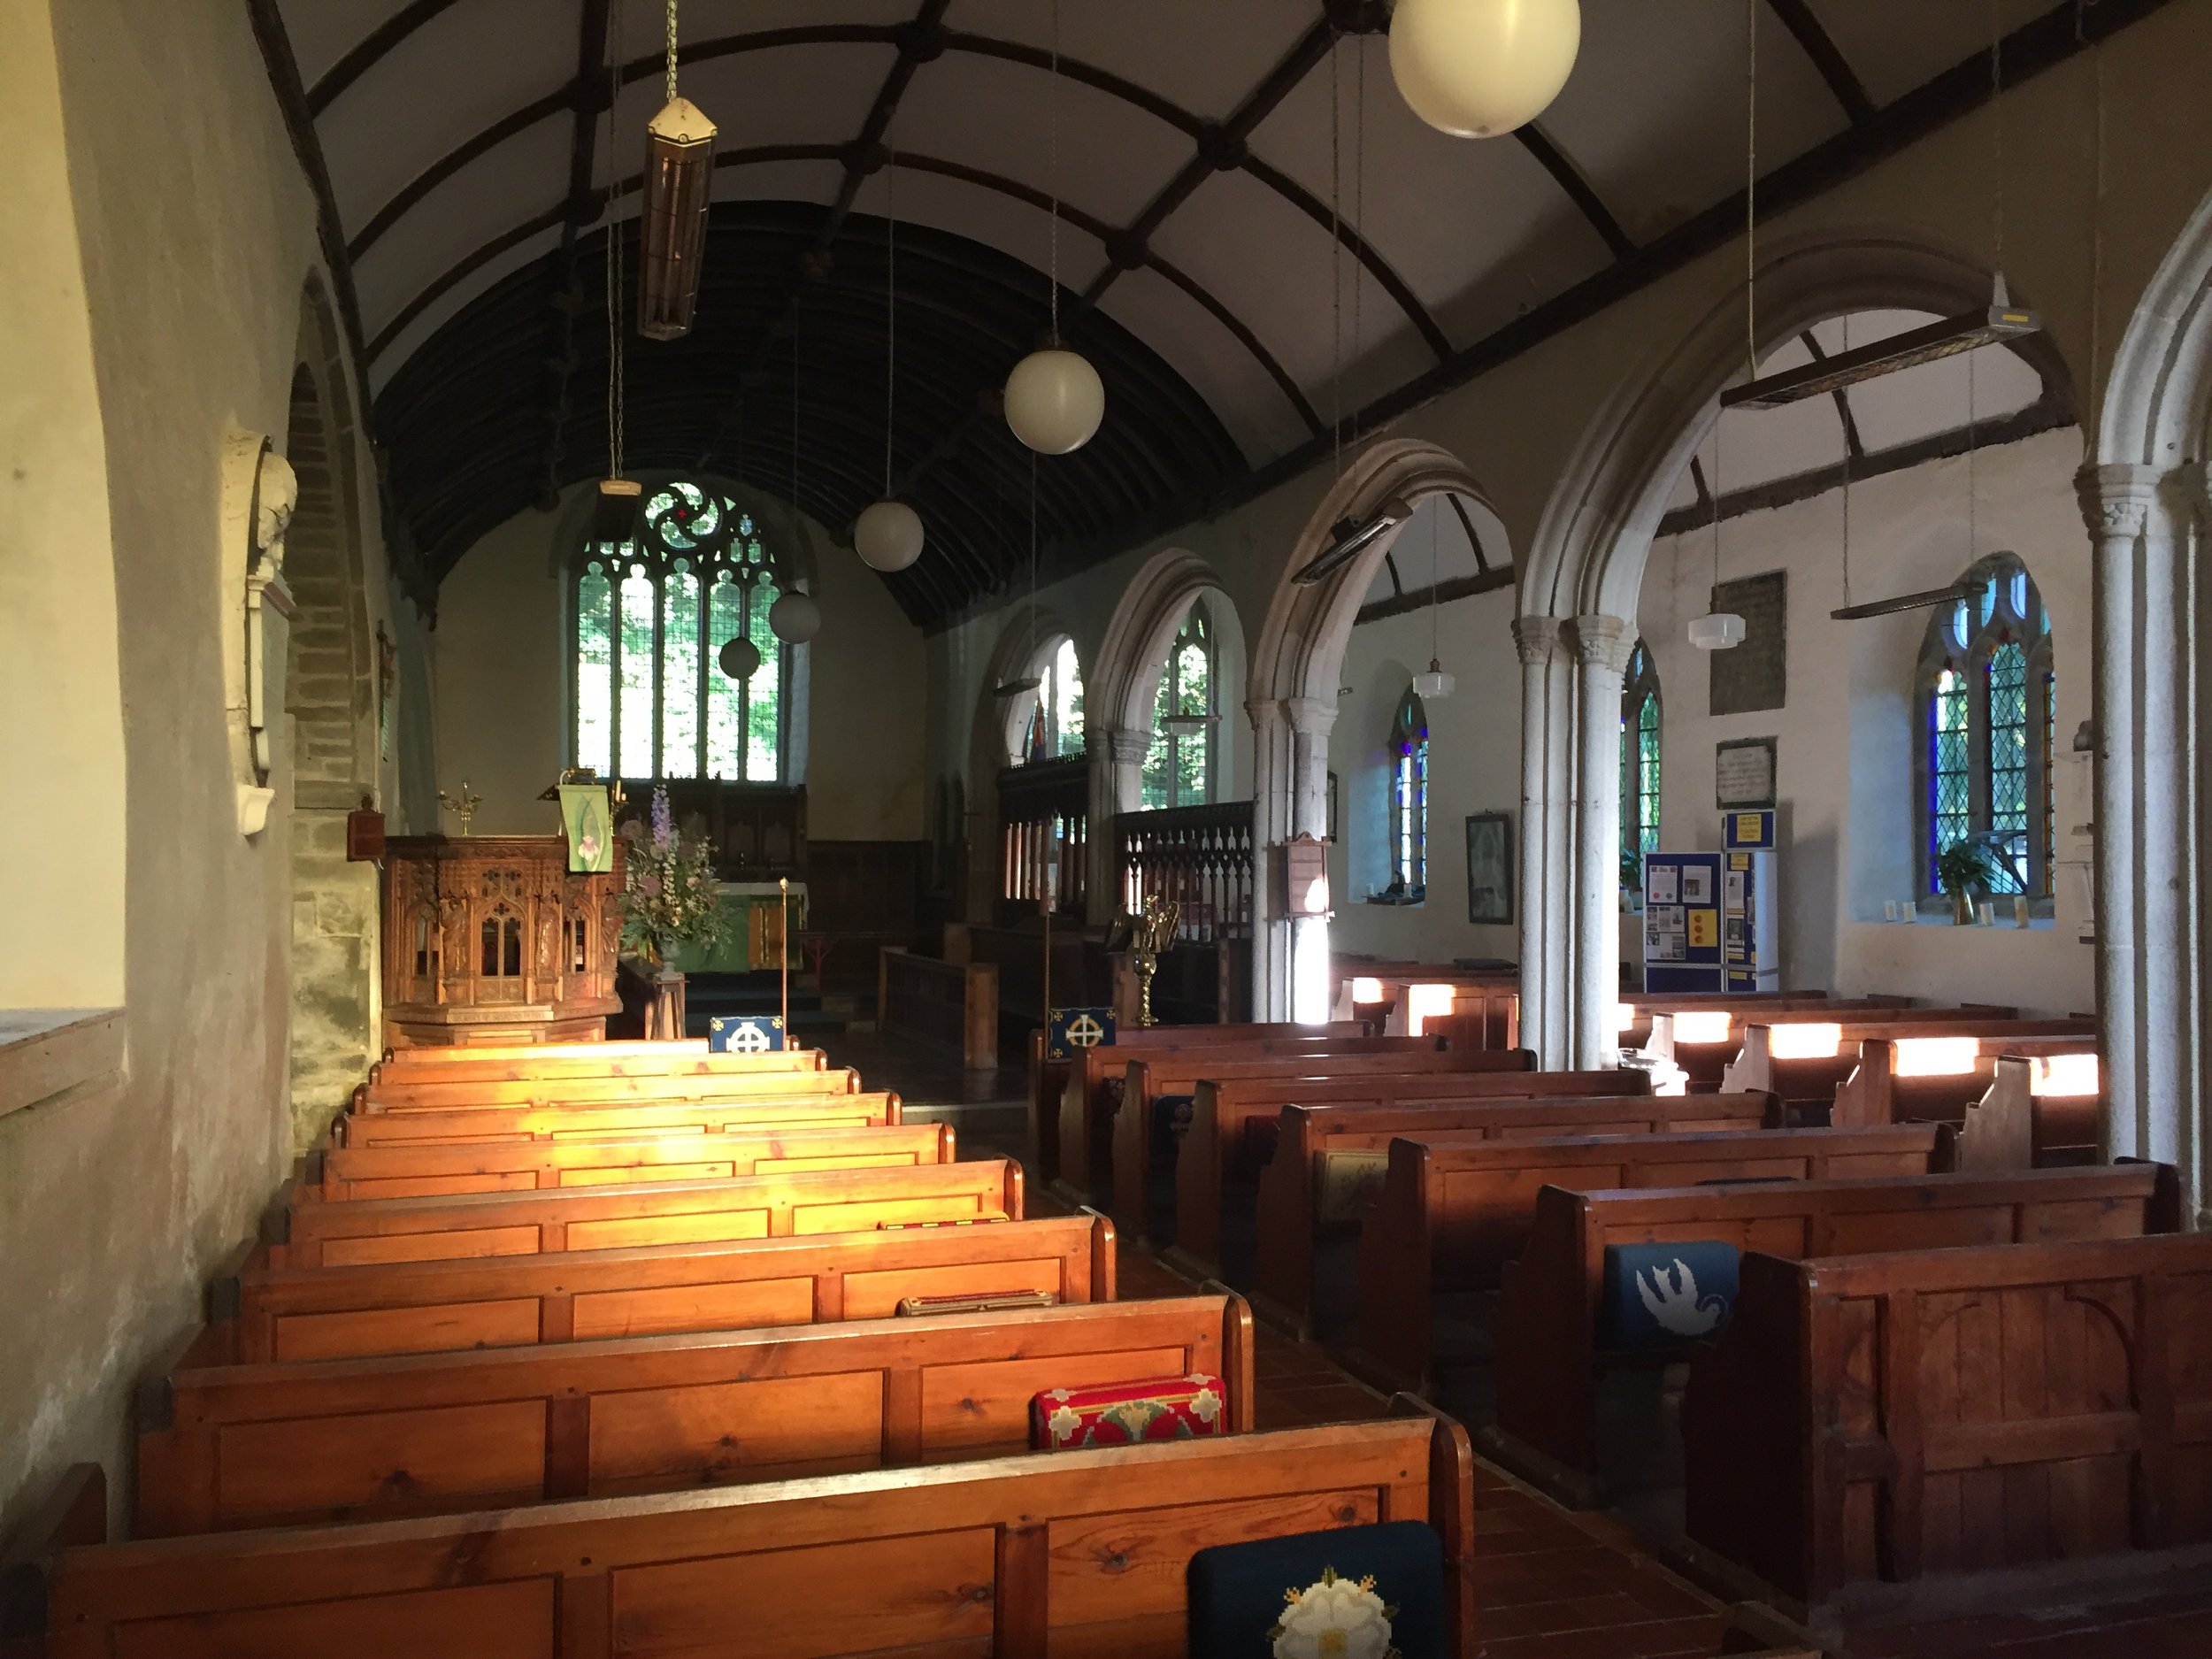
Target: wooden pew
{"type": "Point", "coordinates": [1638, 1009]}
{"type": "Point", "coordinates": [608, 1218]}
{"type": "Point", "coordinates": [1222, 1146]}
{"type": "Point", "coordinates": [1933, 1080]}
{"type": "Point", "coordinates": [1098, 1082]}
{"type": "Point", "coordinates": [1888, 1418]}
{"type": "Point", "coordinates": [1244, 1090]}
{"type": "Point", "coordinates": [1453, 1209]}
{"type": "Point", "coordinates": [282, 1445]}
{"type": "Point", "coordinates": [1081, 1555]}
{"type": "Point", "coordinates": [1048, 1078]}
{"type": "Point", "coordinates": [345, 1174]}
{"type": "Point", "coordinates": [585, 1059]}
{"type": "Point", "coordinates": [2038, 1112]}
{"type": "Point", "coordinates": [1806, 1064]}
{"type": "Point", "coordinates": [1351, 1139]}
{"type": "Point", "coordinates": [264, 1312]}
{"type": "Point", "coordinates": [600, 1122]}
{"type": "Point", "coordinates": [1547, 1315]}
{"type": "Point", "coordinates": [443, 1094]}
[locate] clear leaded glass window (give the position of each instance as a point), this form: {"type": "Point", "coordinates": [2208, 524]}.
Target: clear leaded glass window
{"type": "Point", "coordinates": [1640, 764]}
{"type": "Point", "coordinates": [652, 616]}
{"type": "Point", "coordinates": [1179, 763]}
{"type": "Point", "coordinates": [1410, 798]}
{"type": "Point", "coordinates": [1055, 720]}
{"type": "Point", "coordinates": [1989, 710]}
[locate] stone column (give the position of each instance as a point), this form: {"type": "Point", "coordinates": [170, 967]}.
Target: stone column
{"type": "Point", "coordinates": [1117, 766]}
{"type": "Point", "coordinates": [2116, 502]}
{"type": "Point", "coordinates": [1273, 792]}
{"type": "Point", "coordinates": [1311, 719]}
{"type": "Point", "coordinates": [1543, 972]}
{"type": "Point", "coordinates": [1603, 646]}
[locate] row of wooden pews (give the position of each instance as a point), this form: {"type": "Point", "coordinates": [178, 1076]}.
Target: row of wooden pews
{"type": "Point", "coordinates": [568, 1352]}
{"type": "Point", "coordinates": [1926, 1331]}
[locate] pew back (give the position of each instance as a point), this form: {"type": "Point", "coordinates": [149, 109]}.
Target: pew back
{"type": "Point", "coordinates": [1547, 1313]}
{"type": "Point", "coordinates": [352, 1439]}
{"type": "Point", "coordinates": [345, 1173]}
{"type": "Point", "coordinates": [1812, 1065]}
{"type": "Point", "coordinates": [1082, 1553]}
{"type": "Point", "coordinates": [2033, 1114]}
{"type": "Point", "coordinates": [608, 1217]}
{"type": "Point", "coordinates": [442, 1093]}
{"type": "Point", "coordinates": [599, 1122]}
{"type": "Point", "coordinates": [1868, 1417]}
{"type": "Point", "coordinates": [587, 1059]}
{"type": "Point", "coordinates": [268, 1312]}
{"type": "Point", "coordinates": [1937, 1080]}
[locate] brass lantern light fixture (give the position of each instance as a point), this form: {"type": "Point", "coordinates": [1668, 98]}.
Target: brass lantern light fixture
{"type": "Point", "coordinates": [673, 233]}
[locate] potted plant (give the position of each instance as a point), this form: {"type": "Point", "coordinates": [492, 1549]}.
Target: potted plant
{"type": "Point", "coordinates": [1631, 879]}
{"type": "Point", "coordinates": [671, 898]}
{"type": "Point", "coordinates": [1960, 868]}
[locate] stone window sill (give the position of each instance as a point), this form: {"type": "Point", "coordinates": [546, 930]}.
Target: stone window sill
{"type": "Point", "coordinates": [46, 1051]}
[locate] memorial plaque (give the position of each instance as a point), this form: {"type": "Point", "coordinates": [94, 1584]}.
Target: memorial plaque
{"type": "Point", "coordinates": [1754, 675]}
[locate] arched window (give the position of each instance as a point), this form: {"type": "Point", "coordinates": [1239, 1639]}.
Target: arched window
{"type": "Point", "coordinates": [1179, 763]}
{"type": "Point", "coordinates": [1056, 725]}
{"type": "Point", "coordinates": [651, 617]}
{"type": "Point", "coordinates": [1988, 711]}
{"type": "Point", "coordinates": [1640, 765]}
{"type": "Point", "coordinates": [1410, 800]}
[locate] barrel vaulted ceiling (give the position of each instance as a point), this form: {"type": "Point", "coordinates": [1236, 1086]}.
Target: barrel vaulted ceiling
{"type": "Point", "coordinates": [469, 176]}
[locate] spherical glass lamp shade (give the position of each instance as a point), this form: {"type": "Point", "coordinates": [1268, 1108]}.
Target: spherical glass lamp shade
{"type": "Point", "coordinates": [796, 619]}
{"type": "Point", "coordinates": [888, 536]}
{"type": "Point", "coordinates": [1477, 68]}
{"type": "Point", "coordinates": [738, 657]}
{"type": "Point", "coordinates": [1054, 400]}
{"type": "Point", "coordinates": [1716, 631]}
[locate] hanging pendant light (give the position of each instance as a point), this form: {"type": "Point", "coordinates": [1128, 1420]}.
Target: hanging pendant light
{"type": "Point", "coordinates": [740, 657]}
{"type": "Point", "coordinates": [888, 535]}
{"type": "Point", "coordinates": [1055, 400]}
{"type": "Point", "coordinates": [795, 617]}
{"type": "Point", "coordinates": [1477, 68]}
{"type": "Point", "coordinates": [618, 504]}
{"type": "Point", "coordinates": [1719, 630]}
{"type": "Point", "coordinates": [679, 179]}
{"type": "Point", "coordinates": [1435, 683]}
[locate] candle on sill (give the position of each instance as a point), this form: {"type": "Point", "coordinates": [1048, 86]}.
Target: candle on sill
{"type": "Point", "coordinates": [2019, 910]}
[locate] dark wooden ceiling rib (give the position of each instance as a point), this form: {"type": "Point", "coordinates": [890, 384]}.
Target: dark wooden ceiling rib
{"type": "Point", "coordinates": [431, 177]}
{"type": "Point", "coordinates": [922, 39]}
{"type": "Point", "coordinates": [1828, 59]}
{"type": "Point", "coordinates": [374, 45]}
{"type": "Point", "coordinates": [1579, 190]}
{"type": "Point", "coordinates": [460, 272]}
{"type": "Point", "coordinates": [589, 94]}
{"type": "Point", "coordinates": [1851, 445]}
{"type": "Point", "coordinates": [283, 69]}
{"type": "Point", "coordinates": [1466, 523]}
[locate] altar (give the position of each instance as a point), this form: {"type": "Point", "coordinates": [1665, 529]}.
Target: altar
{"type": "Point", "coordinates": [756, 940]}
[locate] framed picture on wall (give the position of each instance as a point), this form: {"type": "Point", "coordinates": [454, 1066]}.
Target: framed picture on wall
{"type": "Point", "coordinates": [1490, 872]}
{"type": "Point", "coordinates": [1331, 813]}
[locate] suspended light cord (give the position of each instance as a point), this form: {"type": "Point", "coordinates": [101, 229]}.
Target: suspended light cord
{"type": "Point", "coordinates": [1751, 191]}
{"type": "Point", "coordinates": [1336, 274]}
{"type": "Point", "coordinates": [1359, 199]}
{"type": "Point", "coordinates": [1845, 411]}
{"type": "Point", "coordinates": [891, 307]}
{"type": "Point", "coordinates": [1436, 573]}
{"type": "Point", "coordinates": [1052, 171]}
{"type": "Point", "coordinates": [798, 318]}
{"type": "Point", "coordinates": [671, 51]}
{"type": "Point", "coordinates": [2096, 220]}
{"type": "Point", "coordinates": [1997, 141]}
{"type": "Point", "coordinates": [614, 247]}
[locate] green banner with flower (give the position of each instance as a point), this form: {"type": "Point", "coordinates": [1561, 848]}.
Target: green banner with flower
{"type": "Point", "coordinates": [590, 833]}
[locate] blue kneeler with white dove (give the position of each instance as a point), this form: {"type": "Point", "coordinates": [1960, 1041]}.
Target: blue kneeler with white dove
{"type": "Point", "coordinates": [1664, 1296]}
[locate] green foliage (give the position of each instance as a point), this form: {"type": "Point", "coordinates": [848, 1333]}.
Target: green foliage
{"type": "Point", "coordinates": [671, 895]}
{"type": "Point", "coordinates": [1964, 865]}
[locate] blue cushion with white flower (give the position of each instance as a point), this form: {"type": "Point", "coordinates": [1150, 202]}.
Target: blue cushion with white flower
{"type": "Point", "coordinates": [745, 1033]}
{"type": "Point", "coordinates": [1661, 1295]}
{"type": "Point", "coordinates": [1363, 1591]}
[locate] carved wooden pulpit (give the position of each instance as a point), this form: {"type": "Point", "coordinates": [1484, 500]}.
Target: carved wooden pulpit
{"type": "Point", "coordinates": [489, 939]}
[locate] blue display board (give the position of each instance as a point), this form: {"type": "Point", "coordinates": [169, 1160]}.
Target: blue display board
{"type": "Point", "coordinates": [1682, 922]}
{"type": "Point", "coordinates": [745, 1033]}
{"type": "Point", "coordinates": [1068, 1029]}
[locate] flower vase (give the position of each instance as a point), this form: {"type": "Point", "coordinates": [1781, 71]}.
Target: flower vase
{"type": "Point", "coordinates": [1963, 909]}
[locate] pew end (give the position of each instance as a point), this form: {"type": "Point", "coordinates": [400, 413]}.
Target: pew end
{"type": "Point", "coordinates": [74, 1516]}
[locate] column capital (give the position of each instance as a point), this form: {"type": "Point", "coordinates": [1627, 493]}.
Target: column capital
{"type": "Point", "coordinates": [1537, 639]}
{"type": "Point", "coordinates": [2117, 498]}
{"type": "Point", "coordinates": [1313, 716]}
{"type": "Point", "coordinates": [1607, 642]}
{"type": "Point", "coordinates": [1124, 745]}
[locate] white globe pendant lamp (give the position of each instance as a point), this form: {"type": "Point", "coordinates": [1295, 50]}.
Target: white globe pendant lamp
{"type": "Point", "coordinates": [796, 619]}
{"type": "Point", "coordinates": [740, 657]}
{"type": "Point", "coordinates": [1054, 400]}
{"type": "Point", "coordinates": [1477, 68]}
{"type": "Point", "coordinates": [888, 536]}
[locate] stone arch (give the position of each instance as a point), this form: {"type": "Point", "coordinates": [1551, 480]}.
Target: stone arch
{"type": "Point", "coordinates": [1584, 570]}
{"type": "Point", "coordinates": [2144, 498]}
{"type": "Point", "coordinates": [1125, 680]}
{"type": "Point", "coordinates": [1291, 697]}
{"type": "Point", "coordinates": [331, 699]}
{"type": "Point", "coordinates": [1028, 626]}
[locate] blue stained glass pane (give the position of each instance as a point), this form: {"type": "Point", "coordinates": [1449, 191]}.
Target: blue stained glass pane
{"type": "Point", "coordinates": [1647, 776]}
{"type": "Point", "coordinates": [2050, 773]}
{"type": "Point", "coordinates": [595, 670]}
{"type": "Point", "coordinates": [1950, 801]}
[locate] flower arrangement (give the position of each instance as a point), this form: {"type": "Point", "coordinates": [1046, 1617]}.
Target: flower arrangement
{"type": "Point", "coordinates": [1336, 1618]}
{"type": "Point", "coordinates": [669, 894]}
